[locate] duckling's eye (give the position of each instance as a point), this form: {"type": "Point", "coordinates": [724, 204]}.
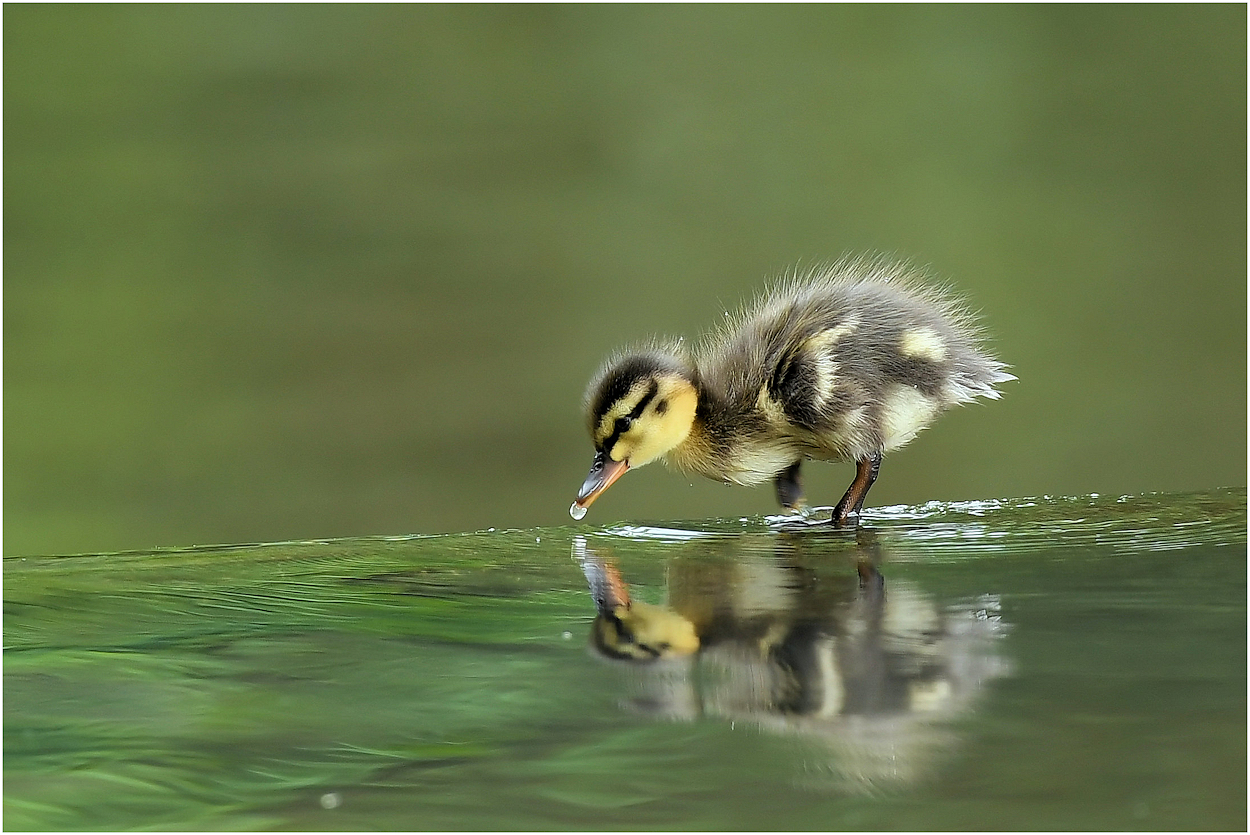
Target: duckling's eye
{"type": "Point", "coordinates": [623, 424]}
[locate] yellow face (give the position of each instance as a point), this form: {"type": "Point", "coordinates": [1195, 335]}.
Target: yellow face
{"type": "Point", "coordinates": [642, 632]}
{"type": "Point", "coordinates": [653, 417]}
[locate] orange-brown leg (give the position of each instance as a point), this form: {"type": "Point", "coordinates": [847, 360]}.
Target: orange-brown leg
{"type": "Point", "coordinates": [865, 474]}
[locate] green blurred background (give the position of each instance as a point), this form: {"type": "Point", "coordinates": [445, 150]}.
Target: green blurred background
{"type": "Point", "coordinates": [280, 272]}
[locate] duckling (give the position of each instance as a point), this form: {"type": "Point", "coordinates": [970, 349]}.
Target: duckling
{"type": "Point", "coordinates": [764, 634]}
{"type": "Point", "coordinates": [845, 363]}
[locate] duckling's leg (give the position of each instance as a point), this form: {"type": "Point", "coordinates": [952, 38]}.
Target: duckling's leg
{"type": "Point", "coordinates": [789, 488]}
{"type": "Point", "coordinates": [871, 583]}
{"type": "Point", "coordinates": [865, 474]}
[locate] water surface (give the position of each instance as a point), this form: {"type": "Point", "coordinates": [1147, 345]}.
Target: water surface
{"type": "Point", "coordinates": [1030, 664]}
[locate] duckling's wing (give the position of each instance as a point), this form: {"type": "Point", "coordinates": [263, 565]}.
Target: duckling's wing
{"type": "Point", "coordinates": [862, 355]}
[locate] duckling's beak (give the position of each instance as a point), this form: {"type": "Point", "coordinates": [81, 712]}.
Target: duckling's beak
{"type": "Point", "coordinates": [603, 472]}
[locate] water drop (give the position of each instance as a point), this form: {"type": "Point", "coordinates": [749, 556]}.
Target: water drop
{"type": "Point", "coordinates": [331, 800]}
{"type": "Point", "coordinates": [577, 511]}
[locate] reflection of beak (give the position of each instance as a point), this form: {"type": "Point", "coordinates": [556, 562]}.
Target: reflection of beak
{"type": "Point", "coordinates": [607, 586]}
{"type": "Point", "coordinates": [603, 472]}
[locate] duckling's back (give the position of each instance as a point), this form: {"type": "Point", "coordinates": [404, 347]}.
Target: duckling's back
{"type": "Point", "coordinates": [851, 360]}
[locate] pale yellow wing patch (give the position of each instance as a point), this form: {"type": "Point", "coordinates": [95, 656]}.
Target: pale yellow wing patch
{"type": "Point", "coordinates": [820, 347]}
{"type": "Point", "coordinates": [923, 343]}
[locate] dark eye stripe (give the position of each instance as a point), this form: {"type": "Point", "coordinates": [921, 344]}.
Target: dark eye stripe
{"type": "Point", "coordinates": [652, 390]}
{"type": "Point", "coordinates": [623, 423]}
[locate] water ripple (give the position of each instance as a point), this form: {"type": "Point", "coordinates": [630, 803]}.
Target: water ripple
{"type": "Point", "coordinates": [1151, 522]}
{"type": "Point", "coordinates": [1148, 522]}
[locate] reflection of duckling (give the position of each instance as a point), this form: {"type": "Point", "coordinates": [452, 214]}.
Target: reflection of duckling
{"type": "Point", "coordinates": [777, 619]}
{"type": "Point", "coordinates": [799, 647]}
{"type": "Point", "coordinates": [843, 365]}
{"type": "Point", "coordinates": [772, 636]}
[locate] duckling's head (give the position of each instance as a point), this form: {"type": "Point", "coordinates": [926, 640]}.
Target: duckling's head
{"type": "Point", "coordinates": [642, 632]}
{"type": "Point", "coordinates": [629, 629]}
{"type": "Point", "coordinates": [639, 406]}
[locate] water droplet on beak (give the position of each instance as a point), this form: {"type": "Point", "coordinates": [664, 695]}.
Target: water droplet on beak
{"type": "Point", "coordinates": [577, 511]}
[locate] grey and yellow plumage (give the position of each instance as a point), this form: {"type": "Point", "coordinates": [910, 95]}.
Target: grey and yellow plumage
{"type": "Point", "coordinates": [843, 364]}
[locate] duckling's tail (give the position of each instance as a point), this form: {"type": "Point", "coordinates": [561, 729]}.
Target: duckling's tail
{"type": "Point", "coordinates": [979, 382]}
